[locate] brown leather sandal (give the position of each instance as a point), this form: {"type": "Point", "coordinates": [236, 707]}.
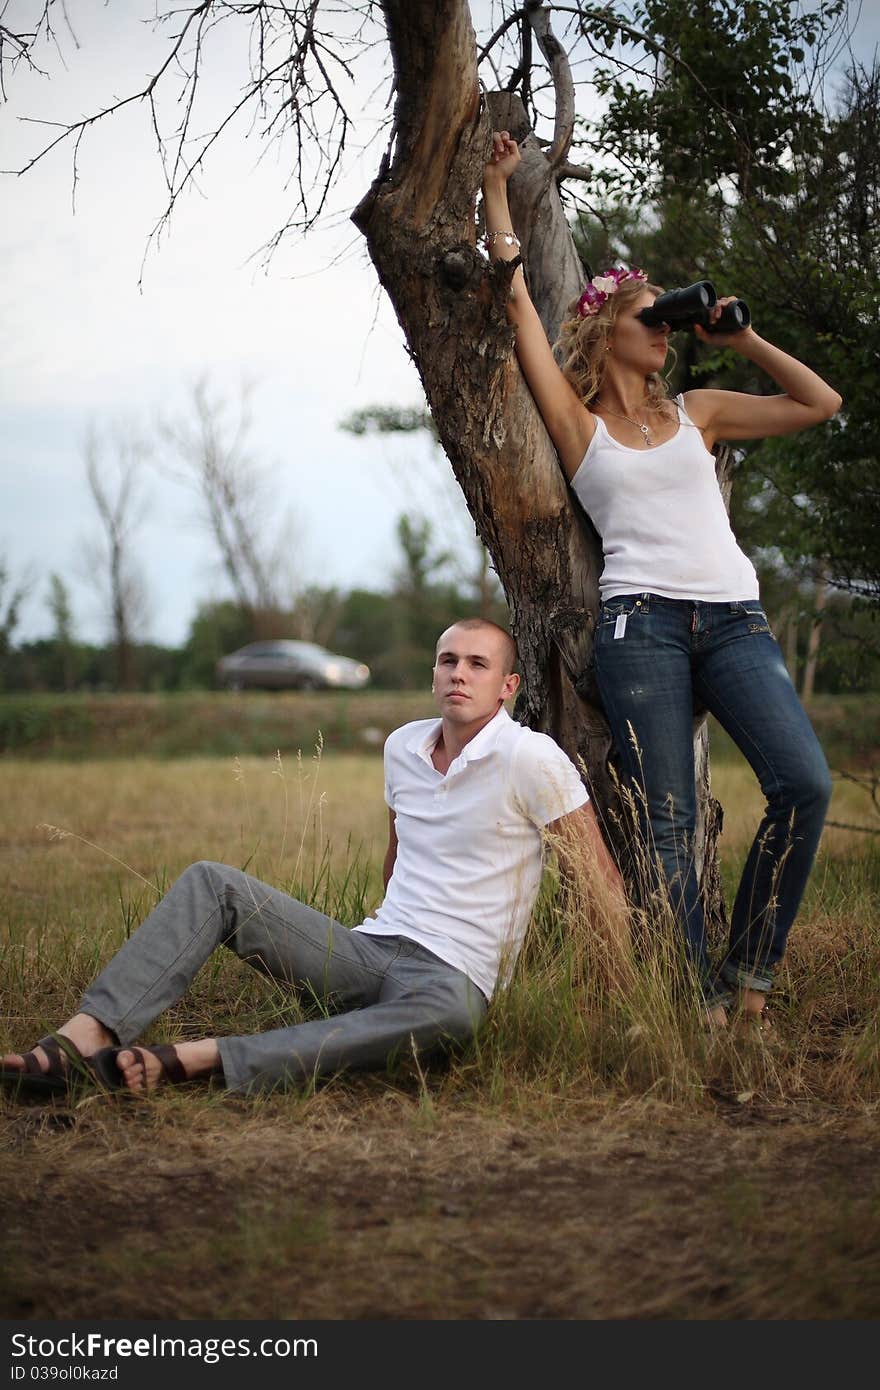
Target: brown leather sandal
{"type": "Point", "coordinates": [67, 1069]}
{"type": "Point", "coordinates": [106, 1065]}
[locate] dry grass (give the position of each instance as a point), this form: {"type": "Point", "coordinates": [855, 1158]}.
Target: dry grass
{"type": "Point", "coordinates": [356, 1208]}
{"type": "Point", "coordinates": [268, 814]}
{"type": "Point", "coordinates": [590, 1157]}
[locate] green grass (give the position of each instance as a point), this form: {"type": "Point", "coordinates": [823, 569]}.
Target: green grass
{"type": "Point", "coordinates": [218, 724]}
{"type": "Point", "coordinates": [209, 724]}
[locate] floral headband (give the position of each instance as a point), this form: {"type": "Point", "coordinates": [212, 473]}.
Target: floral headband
{"type": "Point", "coordinates": [602, 286]}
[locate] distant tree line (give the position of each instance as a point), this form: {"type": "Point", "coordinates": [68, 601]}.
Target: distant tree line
{"type": "Point", "coordinates": [394, 633]}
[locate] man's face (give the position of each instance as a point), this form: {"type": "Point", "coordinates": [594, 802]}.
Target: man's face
{"type": "Point", "coordinates": [470, 679]}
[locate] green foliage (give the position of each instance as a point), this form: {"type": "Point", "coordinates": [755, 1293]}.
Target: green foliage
{"type": "Point", "coordinates": [389, 419]}
{"type": "Point", "coordinates": [28, 724]}
{"type": "Point", "coordinates": [48, 664]}
{"type": "Point", "coordinates": [12, 596]}
{"type": "Point", "coordinates": [66, 657]}
{"type": "Point", "coordinates": [727, 102]}
{"type": "Point", "coordinates": [363, 629]}
{"type": "Point", "coordinates": [217, 628]}
{"type": "Point", "coordinates": [201, 723]}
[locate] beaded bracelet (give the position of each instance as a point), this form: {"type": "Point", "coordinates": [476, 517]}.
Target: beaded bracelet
{"type": "Point", "coordinates": [507, 237]}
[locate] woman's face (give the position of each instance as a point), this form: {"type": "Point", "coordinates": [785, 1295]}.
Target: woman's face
{"type": "Point", "coordinates": [633, 343]}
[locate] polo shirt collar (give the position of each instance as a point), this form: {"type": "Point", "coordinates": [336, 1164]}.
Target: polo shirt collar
{"type": "Point", "coordinates": [479, 746]}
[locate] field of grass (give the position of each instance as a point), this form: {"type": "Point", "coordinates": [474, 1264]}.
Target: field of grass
{"type": "Point", "coordinates": [209, 723]}
{"type": "Point", "coordinates": [591, 1157]}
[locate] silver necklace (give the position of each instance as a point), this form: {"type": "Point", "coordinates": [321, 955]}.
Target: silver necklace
{"type": "Point", "coordinates": [646, 433]}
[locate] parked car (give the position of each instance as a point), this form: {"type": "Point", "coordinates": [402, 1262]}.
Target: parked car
{"type": "Point", "coordinates": [289, 665]}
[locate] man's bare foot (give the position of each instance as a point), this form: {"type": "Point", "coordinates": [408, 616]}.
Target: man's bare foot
{"type": "Point", "coordinates": [144, 1069]}
{"type": "Point", "coordinates": [86, 1033]}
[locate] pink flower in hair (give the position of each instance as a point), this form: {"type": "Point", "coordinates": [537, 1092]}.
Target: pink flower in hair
{"type": "Point", "coordinates": [604, 285]}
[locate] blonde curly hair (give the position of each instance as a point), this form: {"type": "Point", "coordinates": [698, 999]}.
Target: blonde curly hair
{"type": "Point", "coordinates": [582, 345]}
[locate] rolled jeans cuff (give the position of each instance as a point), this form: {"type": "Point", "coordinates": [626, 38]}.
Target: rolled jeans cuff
{"type": "Point", "coordinates": [743, 978]}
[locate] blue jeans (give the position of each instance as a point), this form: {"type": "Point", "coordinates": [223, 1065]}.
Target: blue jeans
{"type": "Point", "coordinates": [391, 994]}
{"type": "Point", "coordinates": [655, 659]}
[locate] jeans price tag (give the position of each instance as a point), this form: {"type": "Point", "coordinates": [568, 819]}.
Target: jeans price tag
{"type": "Point", "coordinates": [620, 626]}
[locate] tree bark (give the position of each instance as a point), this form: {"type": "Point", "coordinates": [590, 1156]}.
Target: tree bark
{"type": "Point", "coordinates": [419, 222]}
{"type": "Point", "coordinates": [820, 601]}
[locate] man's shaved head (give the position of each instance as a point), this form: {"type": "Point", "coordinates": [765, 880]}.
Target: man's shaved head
{"type": "Point", "coordinates": [502, 639]}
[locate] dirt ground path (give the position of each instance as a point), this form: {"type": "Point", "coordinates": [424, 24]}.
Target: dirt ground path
{"type": "Point", "coordinates": [357, 1207]}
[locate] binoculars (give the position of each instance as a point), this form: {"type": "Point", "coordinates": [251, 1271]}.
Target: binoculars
{"type": "Point", "coordinates": [684, 308]}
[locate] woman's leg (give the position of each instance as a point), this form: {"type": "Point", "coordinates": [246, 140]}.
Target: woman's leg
{"type": "Point", "coordinates": [643, 669]}
{"type": "Point", "coordinates": [741, 676]}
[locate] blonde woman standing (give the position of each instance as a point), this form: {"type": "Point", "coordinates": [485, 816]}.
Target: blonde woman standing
{"type": "Point", "coordinates": [680, 619]}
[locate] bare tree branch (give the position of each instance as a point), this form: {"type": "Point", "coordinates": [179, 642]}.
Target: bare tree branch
{"type": "Point", "coordinates": [574, 171]}
{"type": "Point", "coordinates": [293, 91]}
{"type": "Point", "coordinates": [238, 498]}
{"type": "Point", "coordinates": [563, 85]}
{"type": "Point", "coordinates": [118, 502]}
{"type": "Point", "coordinates": [12, 596]}
{"type": "Point", "coordinates": [17, 45]}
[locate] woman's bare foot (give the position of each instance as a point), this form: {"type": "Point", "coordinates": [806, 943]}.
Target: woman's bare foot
{"type": "Point", "coordinates": [754, 1015]}
{"type": "Point", "coordinates": [86, 1033]}
{"type": "Point", "coordinates": [143, 1069]}
{"type": "Point", "coordinates": [716, 1018]}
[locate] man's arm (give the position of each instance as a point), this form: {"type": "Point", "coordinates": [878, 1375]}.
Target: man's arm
{"type": "Point", "coordinates": [391, 851]}
{"type": "Point", "coordinates": [593, 878]}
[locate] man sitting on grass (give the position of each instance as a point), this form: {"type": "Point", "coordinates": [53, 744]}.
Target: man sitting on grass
{"type": "Point", "coordinates": [469, 798]}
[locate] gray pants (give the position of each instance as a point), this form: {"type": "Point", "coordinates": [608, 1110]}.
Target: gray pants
{"type": "Point", "coordinates": [397, 996]}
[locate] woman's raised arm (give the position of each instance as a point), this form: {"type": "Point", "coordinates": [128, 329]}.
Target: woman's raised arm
{"type": "Point", "coordinates": [807, 399]}
{"type": "Point", "coordinates": [569, 424]}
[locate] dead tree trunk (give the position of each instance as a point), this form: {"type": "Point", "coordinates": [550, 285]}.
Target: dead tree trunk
{"type": "Point", "coordinates": [820, 601]}
{"type": "Point", "coordinates": [419, 222]}
{"type": "Point", "coordinates": [111, 565]}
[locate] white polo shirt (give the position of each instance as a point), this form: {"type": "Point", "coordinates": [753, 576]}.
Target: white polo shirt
{"type": "Point", "coordinates": [469, 853]}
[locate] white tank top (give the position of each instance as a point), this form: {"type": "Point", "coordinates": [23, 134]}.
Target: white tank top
{"type": "Point", "coordinates": [661, 517]}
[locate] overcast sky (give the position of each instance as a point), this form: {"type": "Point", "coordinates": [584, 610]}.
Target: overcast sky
{"type": "Point", "coordinates": [83, 346]}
